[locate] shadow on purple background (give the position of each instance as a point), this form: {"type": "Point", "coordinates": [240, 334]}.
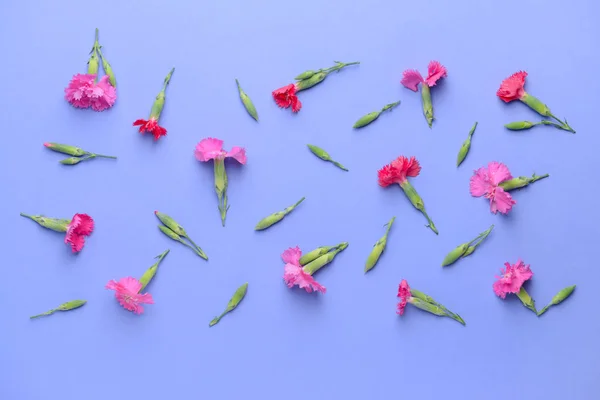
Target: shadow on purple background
{"type": "Point", "coordinates": [282, 343]}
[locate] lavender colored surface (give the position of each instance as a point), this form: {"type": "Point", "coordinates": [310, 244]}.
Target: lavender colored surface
{"type": "Point", "coordinates": [282, 343]}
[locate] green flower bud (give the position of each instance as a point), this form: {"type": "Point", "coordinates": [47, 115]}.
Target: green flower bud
{"type": "Point", "coordinates": [306, 75]}
{"type": "Point", "coordinates": [466, 146]}
{"type": "Point", "coordinates": [520, 125]}
{"type": "Point", "coordinates": [366, 119]}
{"type": "Point", "coordinates": [521, 181]}
{"type": "Point", "coordinates": [65, 149]}
{"type": "Point", "coordinates": [69, 305]}
{"type": "Point", "coordinates": [310, 82]}
{"type": "Point", "coordinates": [237, 297]}
{"type": "Point", "coordinates": [159, 103]}
{"type": "Point", "coordinates": [455, 254]}
{"type": "Point", "coordinates": [58, 225]}
{"type": "Point", "coordinates": [247, 102]}
{"type": "Point", "coordinates": [417, 202]}
{"type": "Point", "coordinates": [72, 160]}
{"type": "Point", "coordinates": [275, 217]}
{"type": "Point", "coordinates": [170, 223]}
{"type": "Point", "coordinates": [323, 155]}
{"type": "Point", "coordinates": [469, 251]}
{"type": "Point", "coordinates": [559, 298]}
{"type": "Point", "coordinates": [323, 260]}
{"type": "Point", "coordinates": [427, 106]}
{"type": "Point", "coordinates": [314, 254]}
{"type": "Point", "coordinates": [169, 233]}
{"type": "Point", "coordinates": [378, 248]}
{"type": "Point", "coordinates": [109, 71]}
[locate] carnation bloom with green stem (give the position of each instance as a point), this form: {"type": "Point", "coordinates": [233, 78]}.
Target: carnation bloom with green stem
{"type": "Point", "coordinates": [513, 88]}
{"type": "Point", "coordinates": [85, 91]}
{"type": "Point", "coordinates": [397, 172]}
{"type": "Point", "coordinates": [422, 301]}
{"type": "Point", "coordinates": [511, 280]}
{"type": "Point", "coordinates": [212, 149]}
{"type": "Point", "coordinates": [411, 78]}
{"type": "Point", "coordinates": [151, 124]}
{"type": "Point", "coordinates": [286, 97]}
{"type": "Point", "coordinates": [127, 292]}
{"type": "Point", "coordinates": [75, 229]}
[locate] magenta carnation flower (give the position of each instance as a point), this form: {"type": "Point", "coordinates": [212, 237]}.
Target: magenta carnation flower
{"type": "Point", "coordinates": [485, 182]}
{"type": "Point", "coordinates": [127, 294]}
{"type": "Point", "coordinates": [294, 274]}
{"type": "Point", "coordinates": [512, 278]}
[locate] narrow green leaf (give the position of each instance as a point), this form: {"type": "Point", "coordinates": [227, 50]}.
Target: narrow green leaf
{"type": "Point", "coordinates": [233, 303]}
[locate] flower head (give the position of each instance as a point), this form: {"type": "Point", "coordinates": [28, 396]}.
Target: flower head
{"type": "Point", "coordinates": [212, 149]}
{"type": "Point", "coordinates": [151, 126]}
{"type": "Point", "coordinates": [76, 91]}
{"type": "Point", "coordinates": [285, 97]}
{"type": "Point", "coordinates": [435, 71]}
{"type": "Point", "coordinates": [404, 294]}
{"type": "Point", "coordinates": [512, 88]}
{"type": "Point", "coordinates": [486, 181]}
{"type": "Point", "coordinates": [294, 274]}
{"type": "Point", "coordinates": [513, 277]}
{"type": "Point", "coordinates": [80, 226]}
{"type": "Point", "coordinates": [102, 95]}
{"type": "Point", "coordinates": [127, 293]}
{"type": "Point", "coordinates": [398, 170]}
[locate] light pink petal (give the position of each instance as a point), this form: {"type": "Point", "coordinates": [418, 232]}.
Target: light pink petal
{"type": "Point", "coordinates": [209, 149]}
{"type": "Point", "coordinates": [238, 153]}
{"type": "Point", "coordinates": [501, 201]}
{"type": "Point", "coordinates": [145, 298]}
{"type": "Point", "coordinates": [295, 275]}
{"type": "Point", "coordinates": [130, 285]}
{"type": "Point", "coordinates": [435, 71]}
{"type": "Point", "coordinates": [411, 79]}
{"type": "Point", "coordinates": [292, 256]}
{"type": "Point", "coordinates": [480, 183]}
{"type": "Point", "coordinates": [498, 173]}
{"type": "Point", "coordinates": [112, 285]}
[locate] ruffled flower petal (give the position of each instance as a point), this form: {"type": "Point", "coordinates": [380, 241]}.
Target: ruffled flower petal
{"type": "Point", "coordinates": [411, 79]}
{"type": "Point", "coordinates": [387, 175]}
{"type": "Point", "coordinates": [75, 92]}
{"type": "Point", "coordinates": [501, 201]}
{"type": "Point", "coordinates": [127, 294]}
{"type": "Point", "coordinates": [238, 154]}
{"type": "Point", "coordinates": [80, 226]}
{"type": "Point", "coordinates": [408, 166]}
{"type": "Point", "coordinates": [435, 72]}
{"type": "Point", "coordinates": [498, 173]}
{"type": "Point", "coordinates": [404, 294]}
{"type": "Point", "coordinates": [292, 256]}
{"type": "Point", "coordinates": [286, 97]}
{"type": "Point", "coordinates": [480, 183]}
{"type": "Point", "coordinates": [151, 126]}
{"type": "Point", "coordinates": [209, 149]}
{"type": "Point", "coordinates": [102, 95]}
{"type": "Point", "coordinates": [398, 170]}
{"type": "Point", "coordinates": [513, 87]}
{"type": "Point", "coordinates": [512, 278]}
{"type": "Point", "coordinates": [294, 275]}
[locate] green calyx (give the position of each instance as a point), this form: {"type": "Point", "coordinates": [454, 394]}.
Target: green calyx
{"type": "Point", "coordinates": [314, 254]}
{"type": "Point", "coordinates": [378, 248]}
{"type": "Point", "coordinates": [176, 232]}
{"type": "Point", "coordinates": [248, 105]}
{"type": "Point", "coordinates": [323, 155]}
{"type": "Point", "coordinates": [466, 146]}
{"type": "Point", "coordinates": [221, 188]}
{"type": "Point", "coordinates": [427, 106]}
{"type": "Point", "coordinates": [276, 217]}
{"type": "Point", "coordinates": [55, 224]}
{"type": "Point", "coordinates": [558, 298]}
{"type": "Point", "coordinates": [323, 260]}
{"type": "Point", "coordinates": [417, 202]}
{"type": "Point", "coordinates": [78, 153]}
{"type": "Point", "coordinates": [311, 78]}
{"type": "Point", "coordinates": [151, 272]}
{"type": "Point", "coordinates": [466, 249]}
{"type": "Point", "coordinates": [521, 181]}
{"type": "Point", "coordinates": [235, 300]}
{"type": "Point", "coordinates": [159, 103]}
{"type": "Point", "coordinates": [526, 299]}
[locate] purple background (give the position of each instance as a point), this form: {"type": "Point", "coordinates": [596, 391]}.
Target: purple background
{"type": "Point", "coordinates": [283, 343]}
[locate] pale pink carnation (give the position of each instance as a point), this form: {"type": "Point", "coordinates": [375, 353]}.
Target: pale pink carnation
{"type": "Point", "coordinates": [404, 294]}
{"type": "Point", "coordinates": [294, 273]}
{"type": "Point", "coordinates": [513, 277]}
{"type": "Point", "coordinates": [212, 149]}
{"type": "Point", "coordinates": [127, 294]}
{"type": "Point", "coordinates": [76, 91]}
{"type": "Point", "coordinates": [486, 181]}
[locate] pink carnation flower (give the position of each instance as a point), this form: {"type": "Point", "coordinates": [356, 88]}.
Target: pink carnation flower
{"type": "Point", "coordinates": [76, 91]}
{"type": "Point", "coordinates": [486, 181]}
{"type": "Point", "coordinates": [83, 92]}
{"type": "Point", "coordinates": [404, 294]}
{"type": "Point", "coordinates": [294, 274]}
{"type": "Point", "coordinates": [435, 71]}
{"type": "Point", "coordinates": [212, 149]}
{"type": "Point", "coordinates": [80, 226]}
{"type": "Point", "coordinates": [127, 294]}
{"type": "Point", "coordinates": [512, 278]}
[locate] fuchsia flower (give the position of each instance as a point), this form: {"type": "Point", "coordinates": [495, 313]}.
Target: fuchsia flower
{"type": "Point", "coordinates": [80, 226]}
{"type": "Point", "coordinates": [513, 87]}
{"type": "Point", "coordinates": [102, 95]}
{"type": "Point", "coordinates": [404, 294]}
{"type": "Point", "coordinates": [411, 79]}
{"type": "Point", "coordinates": [212, 149]}
{"type": "Point", "coordinates": [486, 182]}
{"type": "Point", "coordinates": [127, 294]}
{"type": "Point", "coordinates": [286, 97]}
{"type": "Point", "coordinates": [294, 274]}
{"type": "Point", "coordinates": [512, 278]}
{"type": "Point", "coordinates": [76, 92]}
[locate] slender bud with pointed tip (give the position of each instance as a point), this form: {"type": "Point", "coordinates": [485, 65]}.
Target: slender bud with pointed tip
{"type": "Point", "coordinates": [276, 217]}
{"type": "Point", "coordinates": [314, 254]}
{"type": "Point", "coordinates": [69, 305]}
{"type": "Point", "coordinates": [56, 224]}
{"type": "Point", "coordinates": [323, 155]}
{"type": "Point", "coordinates": [247, 102]}
{"type": "Point", "coordinates": [466, 146]}
{"type": "Point", "coordinates": [559, 298]}
{"type": "Point", "coordinates": [65, 149]}
{"type": "Point", "coordinates": [378, 248]}
{"type": "Point", "coordinates": [323, 260]}
{"type": "Point", "coordinates": [237, 297]}
{"type": "Point", "coordinates": [520, 125]}
{"type": "Point", "coordinates": [150, 272]}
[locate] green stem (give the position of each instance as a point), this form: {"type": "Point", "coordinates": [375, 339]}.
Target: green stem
{"type": "Point", "coordinates": [430, 225]}
{"type": "Point", "coordinates": [162, 255]}
{"type": "Point", "coordinates": [168, 79]}
{"type": "Point", "coordinates": [27, 216]}
{"type": "Point", "coordinates": [44, 314]}
{"type": "Point", "coordinates": [389, 226]}
{"type": "Point", "coordinates": [217, 319]}
{"type": "Point", "coordinates": [194, 249]}
{"type": "Point", "coordinates": [390, 106]}
{"type": "Point", "coordinates": [537, 177]}
{"type": "Point", "coordinates": [199, 251]}
{"type": "Point", "coordinates": [481, 237]}
{"type": "Point", "coordinates": [291, 208]}
{"type": "Point", "coordinates": [472, 131]}
{"type": "Point", "coordinates": [103, 156]}
{"type": "Point", "coordinates": [563, 124]}
{"type": "Point", "coordinates": [340, 166]}
{"type": "Point", "coordinates": [238, 84]}
{"type": "Point", "coordinates": [543, 310]}
{"type": "Point", "coordinates": [339, 66]}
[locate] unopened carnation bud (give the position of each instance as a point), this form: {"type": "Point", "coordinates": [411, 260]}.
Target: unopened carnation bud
{"type": "Point", "coordinates": [455, 254]}
{"type": "Point", "coordinates": [305, 75]}
{"type": "Point", "coordinates": [58, 225]}
{"type": "Point", "coordinates": [559, 298]}
{"type": "Point", "coordinates": [310, 82]}
{"type": "Point", "coordinates": [314, 254]}
{"type": "Point", "coordinates": [519, 125]}
{"type": "Point", "coordinates": [170, 223]}
{"type": "Point", "coordinates": [71, 161]}
{"type": "Point", "coordinates": [65, 149]}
